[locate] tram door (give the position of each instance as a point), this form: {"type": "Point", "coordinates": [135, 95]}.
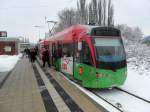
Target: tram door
{"type": "Point", "coordinates": [53, 53]}
{"type": "Point", "coordinates": [82, 60]}
{"type": "Point", "coordinates": [67, 59]}
{"type": "Point", "coordinates": [86, 55]}
{"type": "Point", "coordinates": [83, 54]}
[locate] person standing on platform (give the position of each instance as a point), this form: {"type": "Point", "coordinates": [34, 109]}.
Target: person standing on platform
{"type": "Point", "coordinates": [28, 53]}
{"type": "Point", "coordinates": [32, 55]}
{"type": "Point", "coordinates": [45, 57]}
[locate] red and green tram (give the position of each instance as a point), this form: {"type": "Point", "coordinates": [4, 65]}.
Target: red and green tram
{"type": "Point", "coordinates": [93, 55]}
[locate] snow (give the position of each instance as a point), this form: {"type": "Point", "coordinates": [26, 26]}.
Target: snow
{"type": "Point", "coordinates": [127, 102]}
{"type": "Point", "coordinates": [138, 78]}
{"type": "Point", "coordinates": [7, 62]}
{"type": "Point", "coordinates": [138, 81]}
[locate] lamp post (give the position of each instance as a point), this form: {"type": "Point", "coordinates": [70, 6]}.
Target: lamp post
{"type": "Point", "coordinates": [54, 23]}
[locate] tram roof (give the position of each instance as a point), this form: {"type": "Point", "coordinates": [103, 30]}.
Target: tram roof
{"type": "Point", "coordinates": [67, 34]}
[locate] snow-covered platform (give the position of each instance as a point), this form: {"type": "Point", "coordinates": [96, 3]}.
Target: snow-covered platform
{"type": "Point", "coordinates": [30, 89]}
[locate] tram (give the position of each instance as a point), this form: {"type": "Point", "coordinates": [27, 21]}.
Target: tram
{"type": "Point", "coordinates": [92, 55]}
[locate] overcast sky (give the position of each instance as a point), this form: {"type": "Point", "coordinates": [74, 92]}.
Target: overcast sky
{"type": "Point", "coordinates": [18, 17]}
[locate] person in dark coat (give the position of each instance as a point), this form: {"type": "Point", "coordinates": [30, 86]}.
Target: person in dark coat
{"type": "Point", "coordinates": [45, 57]}
{"type": "Point", "coordinates": [32, 55]}
{"type": "Point", "coordinates": [27, 53]}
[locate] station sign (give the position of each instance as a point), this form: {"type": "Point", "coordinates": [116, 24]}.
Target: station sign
{"type": "Point", "coordinates": [3, 34]}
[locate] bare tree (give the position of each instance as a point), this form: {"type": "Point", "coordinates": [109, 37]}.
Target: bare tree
{"type": "Point", "coordinates": [81, 7]}
{"type": "Point", "coordinates": [104, 12]}
{"type": "Point", "coordinates": [99, 12]}
{"type": "Point", "coordinates": [95, 13]}
{"type": "Point", "coordinates": [91, 19]}
{"type": "Point", "coordinates": [86, 15]}
{"type": "Point", "coordinates": [110, 20]}
{"type": "Point", "coordinates": [67, 17]}
{"type": "Point", "coordinates": [100, 15]}
{"type": "Point", "coordinates": [130, 34]}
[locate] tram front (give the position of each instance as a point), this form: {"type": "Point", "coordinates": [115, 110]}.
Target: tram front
{"type": "Point", "coordinates": [110, 57]}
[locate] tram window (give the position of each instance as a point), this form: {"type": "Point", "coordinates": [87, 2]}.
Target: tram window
{"type": "Point", "coordinates": [77, 53]}
{"type": "Point", "coordinates": [71, 49]}
{"type": "Point", "coordinates": [52, 49]}
{"type": "Point", "coordinates": [58, 50]}
{"type": "Point", "coordinates": [86, 56]}
{"type": "Point", "coordinates": [68, 50]}
{"type": "Point", "coordinates": [105, 31]}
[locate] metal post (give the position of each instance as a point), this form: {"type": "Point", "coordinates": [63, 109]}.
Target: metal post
{"type": "Point", "coordinates": [50, 31]}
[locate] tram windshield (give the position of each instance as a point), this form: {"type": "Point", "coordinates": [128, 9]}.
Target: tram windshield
{"type": "Point", "coordinates": [109, 49]}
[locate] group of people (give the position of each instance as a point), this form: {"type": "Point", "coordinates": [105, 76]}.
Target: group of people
{"type": "Point", "coordinates": [33, 52]}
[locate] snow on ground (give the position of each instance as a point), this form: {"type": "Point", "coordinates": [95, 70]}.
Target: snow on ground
{"type": "Point", "coordinates": [126, 102]}
{"type": "Point", "coordinates": [138, 81]}
{"type": "Point", "coordinates": [7, 62]}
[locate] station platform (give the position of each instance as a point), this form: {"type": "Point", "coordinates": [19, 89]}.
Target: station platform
{"type": "Point", "coordinates": [29, 88]}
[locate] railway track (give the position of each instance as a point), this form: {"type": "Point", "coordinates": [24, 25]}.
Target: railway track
{"type": "Point", "coordinates": [115, 106]}
{"type": "Point", "coordinates": [132, 94]}
{"type": "Point", "coordinates": [115, 102]}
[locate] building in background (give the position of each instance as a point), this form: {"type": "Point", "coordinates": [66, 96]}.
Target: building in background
{"type": "Point", "coordinates": [3, 33]}
{"type": "Point", "coordinates": [24, 43]}
{"type": "Point", "coordinates": [13, 45]}
{"type": "Point", "coordinates": [9, 46]}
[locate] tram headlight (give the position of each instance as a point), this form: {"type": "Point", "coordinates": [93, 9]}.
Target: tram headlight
{"type": "Point", "coordinates": [97, 75]}
{"type": "Point", "coordinates": [80, 70]}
